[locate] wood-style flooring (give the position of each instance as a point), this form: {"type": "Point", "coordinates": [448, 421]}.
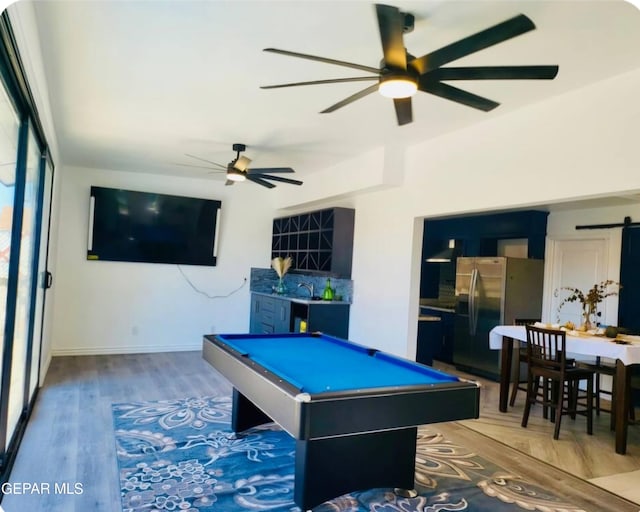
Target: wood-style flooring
{"type": "Point", "coordinates": [69, 439]}
{"type": "Point", "coordinates": [591, 458]}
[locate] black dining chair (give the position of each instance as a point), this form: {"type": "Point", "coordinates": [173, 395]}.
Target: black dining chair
{"type": "Point", "coordinates": [517, 384]}
{"type": "Point", "coordinates": [600, 368]}
{"type": "Point", "coordinates": [547, 360]}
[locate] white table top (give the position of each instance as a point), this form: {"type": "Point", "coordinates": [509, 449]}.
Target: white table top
{"type": "Point", "coordinates": [577, 344]}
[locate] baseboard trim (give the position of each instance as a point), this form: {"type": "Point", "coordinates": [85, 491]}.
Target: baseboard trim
{"type": "Point", "coordinates": [133, 349]}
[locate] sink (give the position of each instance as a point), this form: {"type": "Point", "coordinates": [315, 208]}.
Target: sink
{"type": "Point", "coordinates": [315, 297]}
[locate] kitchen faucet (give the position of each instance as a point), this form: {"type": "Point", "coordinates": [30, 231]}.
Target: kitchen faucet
{"type": "Point", "coordinates": [308, 286]}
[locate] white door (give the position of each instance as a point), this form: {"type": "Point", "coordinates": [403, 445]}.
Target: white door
{"type": "Point", "coordinates": [581, 261]}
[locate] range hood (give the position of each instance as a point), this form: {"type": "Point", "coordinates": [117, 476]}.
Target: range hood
{"type": "Point", "coordinates": [445, 255]}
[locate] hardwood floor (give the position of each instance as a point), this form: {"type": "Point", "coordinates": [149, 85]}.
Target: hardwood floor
{"type": "Point", "coordinates": [69, 439]}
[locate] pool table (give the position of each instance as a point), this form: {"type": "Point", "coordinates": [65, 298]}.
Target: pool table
{"type": "Point", "coordinates": [352, 410]}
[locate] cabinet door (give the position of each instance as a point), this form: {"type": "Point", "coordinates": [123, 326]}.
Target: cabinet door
{"type": "Point", "coordinates": [269, 315]}
{"type": "Point", "coordinates": [332, 319]}
{"type": "Point", "coordinates": [254, 316]}
{"type": "Point", "coordinates": [282, 315]}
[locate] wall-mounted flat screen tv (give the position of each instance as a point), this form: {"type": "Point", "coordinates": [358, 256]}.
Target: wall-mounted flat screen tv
{"type": "Point", "coordinates": [125, 225]}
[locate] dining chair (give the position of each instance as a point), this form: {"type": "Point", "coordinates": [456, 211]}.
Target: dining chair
{"type": "Point", "coordinates": [601, 368]}
{"type": "Point", "coordinates": [547, 360]}
{"type": "Point", "coordinates": [517, 385]}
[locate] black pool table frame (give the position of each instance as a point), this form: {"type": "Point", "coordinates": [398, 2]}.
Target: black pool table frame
{"type": "Point", "coordinates": [345, 441]}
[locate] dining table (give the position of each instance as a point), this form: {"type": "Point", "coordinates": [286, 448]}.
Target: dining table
{"type": "Point", "coordinates": [624, 350]}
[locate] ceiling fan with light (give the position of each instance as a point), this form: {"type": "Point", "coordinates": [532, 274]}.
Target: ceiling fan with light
{"type": "Point", "coordinates": [238, 170]}
{"type": "Point", "coordinates": [401, 75]}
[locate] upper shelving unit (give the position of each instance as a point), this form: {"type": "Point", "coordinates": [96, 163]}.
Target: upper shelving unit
{"type": "Point", "coordinates": [319, 241]}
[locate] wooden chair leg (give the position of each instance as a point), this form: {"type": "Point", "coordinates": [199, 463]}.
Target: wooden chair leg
{"type": "Point", "coordinates": [514, 389]}
{"type": "Point", "coordinates": [590, 405]}
{"type": "Point", "coordinates": [612, 419]}
{"type": "Point", "coordinates": [527, 404]}
{"type": "Point", "coordinates": [573, 398]}
{"type": "Point", "coordinates": [597, 377]}
{"type": "Point", "coordinates": [545, 407]}
{"type": "Point", "coordinates": [559, 398]}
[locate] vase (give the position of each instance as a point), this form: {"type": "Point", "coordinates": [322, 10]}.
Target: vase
{"type": "Point", "coordinates": [280, 288]}
{"type": "Point", "coordinates": [589, 314]}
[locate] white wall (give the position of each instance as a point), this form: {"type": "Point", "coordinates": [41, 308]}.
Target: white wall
{"type": "Point", "coordinates": [575, 146]}
{"type": "Point", "coordinates": [114, 307]}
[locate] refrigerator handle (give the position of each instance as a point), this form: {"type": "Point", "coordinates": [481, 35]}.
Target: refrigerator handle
{"type": "Point", "coordinates": [473, 313]}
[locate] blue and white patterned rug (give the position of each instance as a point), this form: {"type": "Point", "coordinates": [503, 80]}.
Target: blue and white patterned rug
{"type": "Point", "coordinates": [181, 455]}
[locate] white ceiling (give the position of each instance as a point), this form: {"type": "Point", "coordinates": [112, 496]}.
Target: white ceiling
{"type": "Point", "coordinates": [134, 85]}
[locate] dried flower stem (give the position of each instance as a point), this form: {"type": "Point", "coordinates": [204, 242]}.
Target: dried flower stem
{"type": "Point", "coordinates": [281, 265]}
{"type": "Point", "coordinates": [592, 298]}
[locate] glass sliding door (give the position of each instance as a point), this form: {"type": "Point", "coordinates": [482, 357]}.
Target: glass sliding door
{"type": "Point", "coordinates": [24, 302]}
{"type": "Point", "coordinates": [26, 176]}
{"type": "Point", "coordinates": [41, 282]}
{"type": "Point", "coordinates": [9, 132]}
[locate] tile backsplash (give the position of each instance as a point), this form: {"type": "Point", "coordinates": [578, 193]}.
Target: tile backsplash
{"type": "Point", "coordinates": [264, 280]}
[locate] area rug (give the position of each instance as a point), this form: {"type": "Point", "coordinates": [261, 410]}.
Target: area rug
{"type": "Point", "coordinates": [181, 455]}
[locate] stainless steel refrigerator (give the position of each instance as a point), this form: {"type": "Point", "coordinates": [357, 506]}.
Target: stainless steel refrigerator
{"type": "Point", "coordinates": [492, 291]}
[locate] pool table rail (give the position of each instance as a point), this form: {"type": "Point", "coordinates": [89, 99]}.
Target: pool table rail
{"type": "Point", "coordinates": [334, 413]}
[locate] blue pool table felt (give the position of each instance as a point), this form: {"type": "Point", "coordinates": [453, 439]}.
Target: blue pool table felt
{"type": "Point", "coordinates": [317, 364]}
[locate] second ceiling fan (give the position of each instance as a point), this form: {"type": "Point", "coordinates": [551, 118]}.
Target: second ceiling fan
{"type": "Point", "coordinates": [238, 170]}
{"type": "Point", "coordinates": [401, 74]}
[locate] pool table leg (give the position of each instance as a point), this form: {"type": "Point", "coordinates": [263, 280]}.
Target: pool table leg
{"type": "Point", "coordinates": [330, 467]}
{"type": "Point", "coordinates": [245, 414]}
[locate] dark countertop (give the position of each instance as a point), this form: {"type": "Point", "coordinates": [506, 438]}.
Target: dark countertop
{"type": "Point", "coordinates": [302, 300]}
{"type": "Point", "coordinates": [429, 318]}
{"type": "Point", "coordinates": [438, 305]}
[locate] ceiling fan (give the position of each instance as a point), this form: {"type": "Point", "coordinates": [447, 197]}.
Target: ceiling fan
{"type": "Point", "coordinates": [238, 170]}
{"type": "Point", "coordinates": [401, 74]}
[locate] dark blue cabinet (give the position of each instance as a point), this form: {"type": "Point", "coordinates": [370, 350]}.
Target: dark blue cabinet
{"type": "Point", "coordinates": [273, 314]}
{"type": "Point", "coordinates": [269, 315]}
{"type": "Point", "coordinates": [478, 235]}
{"type": "Point", "coordinates": [435, 337]}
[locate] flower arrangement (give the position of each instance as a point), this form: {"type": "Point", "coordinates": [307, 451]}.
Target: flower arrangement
{"type": "Point", "coordinates": [281, 266]}
{"type": "Point", "coordinates": [590, 300]}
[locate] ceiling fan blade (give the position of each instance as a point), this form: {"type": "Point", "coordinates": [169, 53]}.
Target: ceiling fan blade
{"type": "Point", "coordinates": [205, 160]}
{"type": "Point", "coordinates": [241, 163]}
{"type": "Point", "coordinates": [323, 59]}
{"type": "Point", "coordinates": [278, 178]}
{"type": "Point", "coordinates": [391, 24]}
{"type": "Point", "coordinates": [269, 170]}
{"type": "Point", "coordinates": [260, 181]}
{"type": "Point", "coordinates": [449, 92]}
{"type": "Point", "coordinates": [404, 112]}
{"type": "Point", "coordinates": [351, 99]}
{"type": "Point", "coordinates": [200, 167]}
{"type": "Point", "coordinates": [493, 35]}
{"type": "Point", "coordinates": [320, 82]}
{"type": "Point", "coordinates": [495, 73]}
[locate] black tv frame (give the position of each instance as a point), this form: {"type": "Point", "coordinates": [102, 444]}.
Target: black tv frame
{"type": "Point", "coordinates": [149, 227]}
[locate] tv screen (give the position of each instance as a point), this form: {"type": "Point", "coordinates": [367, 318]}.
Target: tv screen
{"type": "Point", "coordinates": [125, 225]}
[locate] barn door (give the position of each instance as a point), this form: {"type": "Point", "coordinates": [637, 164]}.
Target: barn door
{"type": "Point", "coordinates": [628, 313]}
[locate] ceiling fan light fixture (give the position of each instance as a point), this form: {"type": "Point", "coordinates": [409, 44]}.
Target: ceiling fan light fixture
{"type": "Point", "coordinates": [397, 86]}
{"type": "Point", "coordinates": [235, 175]}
